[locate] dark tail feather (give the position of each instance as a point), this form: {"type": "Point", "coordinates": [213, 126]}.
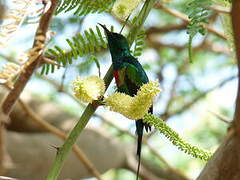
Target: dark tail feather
{"type": "Point", "coordinates": [139, 132]}
{"type": "Point", "coordinates": [139, 163]}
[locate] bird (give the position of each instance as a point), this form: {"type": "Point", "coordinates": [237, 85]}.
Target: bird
{"type": "Point", "coordinates": [129, 76]}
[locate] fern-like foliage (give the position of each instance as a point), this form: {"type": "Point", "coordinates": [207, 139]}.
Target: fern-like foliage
{"type": "Point", "coordinates": [175, 138]}
{"type": "Point", "coordinates": [139, 43]}
{"type": "Point", "coordinates": [84, 7]}
{"type": "Point", "coordinates": [81, 45]}
{"type": "Point", "coordinates": [85, 65]}
{"type": "Point", "coordinates": [198, 14]}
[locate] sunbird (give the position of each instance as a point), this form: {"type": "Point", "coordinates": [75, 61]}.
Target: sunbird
{"type": "Point", "coordinates": [129, 76]}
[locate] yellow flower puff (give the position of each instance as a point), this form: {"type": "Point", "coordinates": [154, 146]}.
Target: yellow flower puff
{"type": "Point", "coordinates": [134, 107]}
{"type": "Point", "coordinates": [122, 8]}
{"type": "Point", "coordinates": [119, 102]}
{"type": "Point", "coordinates": [88, 89]}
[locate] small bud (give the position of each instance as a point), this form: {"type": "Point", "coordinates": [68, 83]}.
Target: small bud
{"type": "Point", "coordinates": [89, 88]}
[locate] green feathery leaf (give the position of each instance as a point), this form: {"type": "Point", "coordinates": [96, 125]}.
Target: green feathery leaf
{"type": "Point", "coordinates": [81, 45]}
{"type": "Point", "coordinates": [198, 14]}
{"type": "Point", "coordinates": [84, 7]}
{"type": "Point", "coordinates": [175, 138]}
{"type": "Point", "coordinates": [85, 66]}
{"type": "Point", "coordinates": [139, 43]}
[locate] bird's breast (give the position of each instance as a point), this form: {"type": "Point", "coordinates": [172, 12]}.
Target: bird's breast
{"type": "Point", "coordinates": [119, 76]}
{"type": "Point", "coordinates": [116, 76]}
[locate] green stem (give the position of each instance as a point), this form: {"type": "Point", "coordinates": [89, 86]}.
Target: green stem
{"type": "Point", "coordinates": [141, 19]}
{"type": "Point", "coordinates": [66, 147]}
{"type": "Point", "coordinates": [90, 109]}
{"type": "Point", "coordinates": [190, 48]}
{"type": "Point", "coordinates": [64, 150]}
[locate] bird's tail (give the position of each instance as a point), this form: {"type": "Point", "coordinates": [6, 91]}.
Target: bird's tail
{"type": "Point", "coordinates": [139, 132]}
{"type": "Point", "coordinates": [140, 125]}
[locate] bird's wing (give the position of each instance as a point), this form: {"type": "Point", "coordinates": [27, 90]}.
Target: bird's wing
{"type": "Point", "coordinates": [133, 75]}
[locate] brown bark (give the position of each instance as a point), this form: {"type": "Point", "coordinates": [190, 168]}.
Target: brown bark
{"type": "Point", "coordinates": [235, 14]}
{"type": "Point", "coordinates": [225, 163]}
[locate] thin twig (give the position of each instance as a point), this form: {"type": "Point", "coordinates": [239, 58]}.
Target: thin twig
{"type": "Point", "coordinates": [79, 153]}
{"type": "Point", "coordinates": [197, 98]}
{"type": "Point", "coordinates": [186, 19]}
{"type": "Point", "coordinates": [221, 117]}
{"type": "Point", "coordinates": [165, 29]}
{"type": "Point", "coordinates": [49, 61]}
{"type": "Point", "coordinates": [172, 90]}
{"type": "Point", "coordinates": [219, 9]}
{"type": "Point", "coordinates": [205, 45]}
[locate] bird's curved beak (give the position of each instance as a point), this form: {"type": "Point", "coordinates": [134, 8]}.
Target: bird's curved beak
{"type": "Point", "coordinates": [105, 29]}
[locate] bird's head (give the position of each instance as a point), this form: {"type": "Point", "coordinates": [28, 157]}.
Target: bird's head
{"type": "Point", "coordinates": [117, 43]}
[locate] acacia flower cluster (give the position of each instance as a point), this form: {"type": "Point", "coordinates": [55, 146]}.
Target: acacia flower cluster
{"type": "Point", "coordinates": [88, 89]}
{"type": "Point", "coordinates": [14, 18]}
{"type": "Point", "coordinates": [134, 107]}
{"type": "Point", "coordinates": [122, 8]}
{"type": "Point", "coordinates": [91, 88]}
{"type": "Point", "coordinates": [8, 73]}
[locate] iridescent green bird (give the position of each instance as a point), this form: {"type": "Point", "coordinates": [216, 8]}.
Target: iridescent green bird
{"type": "Point", "coordinates": [129, 76]}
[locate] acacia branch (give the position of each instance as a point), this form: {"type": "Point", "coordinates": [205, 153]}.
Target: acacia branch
{"type": "Point", "coordinates": [165, 29]}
